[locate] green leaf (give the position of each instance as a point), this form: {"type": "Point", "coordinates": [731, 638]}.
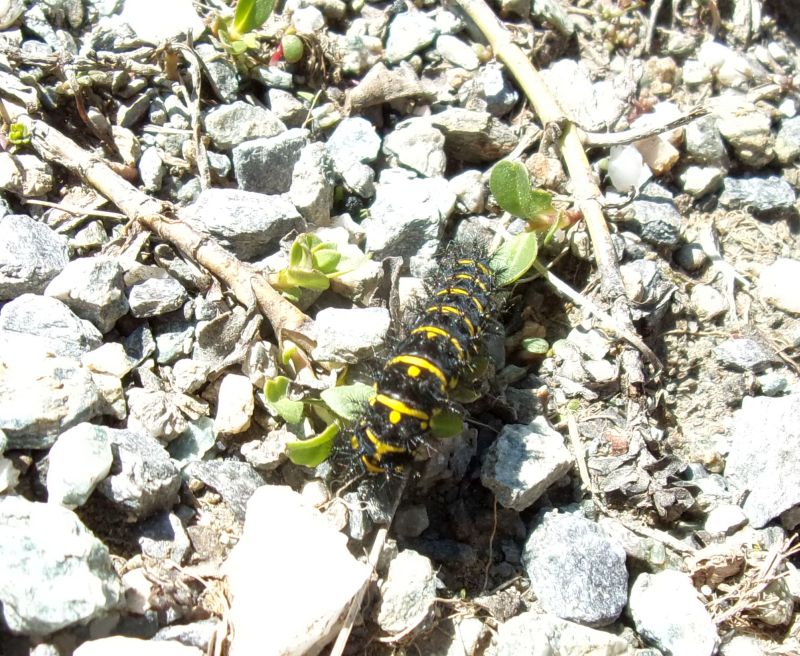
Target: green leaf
{"type": "Point", "coordinates": [511, 186]}
{"type": "Point", "coordinates": [446, 424]}
{"type": "Point", "coordinates": [250, 40]}
{"type": "Point", "coordinates": [307, 279]}
{"type": "Point", "coordinates": [275, 391]}
{"type": "Point", "coordinates": [18, 134]}
{"type": "Point", "coordinates": [292, 48]}
{"type": "Point", "coordinates": [299, 254]}
{"type": "Point", "coordinates": [310, 453]}
{"type": "Point", "coordinates": [326, 260]}
{"type": "Point", "coordinates": [251, 14]}
{"type": "Point", "coordinates": [347, 401]}
{"type": "Point", "coordinates": [535, 345]}
{"type": "Point", "coordinates": [514, 257]}
{"type": "Point", "coordinates": [238, 47]}
{"type": "Point", "coordinates": [289, 349]}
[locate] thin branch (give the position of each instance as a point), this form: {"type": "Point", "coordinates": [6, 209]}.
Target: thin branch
{"type": "Point", "coordinates": [637, 134]}
{"type": "Point", "coordinates": [74, 209]}
{"type": "Point", "coordinates": [246, 282]}
{"type": "Point", "coordinates": [584, 185]}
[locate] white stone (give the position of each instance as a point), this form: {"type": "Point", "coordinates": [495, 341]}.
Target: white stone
{"type": "Point", "coordinates": [626, 168]}
{"type": "Point", "coordinates": [156, 20]}
{"type": "Point", "coordinates": [457, 52]}
{"type": "Point", "coordinates": [288, 587]}
{"type": "Point", "coordinates": [235, 404]}
{"type": "Point", "coordinates": [778, 284]}
{"type": "Point", "coordinates": [79, 460]}
{"type": "Point", "coordinates": [121, 646]}
{"type": "Point", "coordinates": [408, 593]}
{"type": "Point", "coordinates": [726, 518]}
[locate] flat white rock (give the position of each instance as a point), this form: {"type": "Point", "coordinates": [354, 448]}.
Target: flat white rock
{"type": "Point", "coordinates": [290, 577]}
{"type": "Point", "coordinates": [121, 646]}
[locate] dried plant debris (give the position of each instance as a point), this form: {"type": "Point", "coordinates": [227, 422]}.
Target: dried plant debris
{"type": "Point", "coordinates": [382, 327]}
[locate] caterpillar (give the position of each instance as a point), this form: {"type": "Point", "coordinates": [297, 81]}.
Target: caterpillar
{"type": "Point", "coordinates": [415, 382]}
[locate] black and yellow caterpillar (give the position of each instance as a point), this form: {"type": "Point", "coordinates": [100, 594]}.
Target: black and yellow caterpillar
{"type": "Point", "coordinates": [414, 384]}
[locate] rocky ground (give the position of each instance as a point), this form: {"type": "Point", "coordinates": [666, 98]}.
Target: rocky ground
{"type": "Point", "coordinates": [628, 480]}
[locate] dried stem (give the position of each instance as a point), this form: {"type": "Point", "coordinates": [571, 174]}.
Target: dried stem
{"type": "Point", "coordinates": [247, 284]}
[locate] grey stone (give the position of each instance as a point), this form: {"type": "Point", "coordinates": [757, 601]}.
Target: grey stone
{"type": "Point", "coordinates": [409, 32]}
{"type": "Point", "coordinates": [10, 10]}
{"type": "Point", "coordinates": [407, 594]}
{"type": "Point", "coordinates": [198, 634]}
{"type": "Point", "coordinates": [787, 143]}
{"type": "Point", "coordinates": [162, 537]}
{"type": "Point", "coordinates": [748, 130]}
{"type": "Point", "coordinates": [25, 174]}
{"type": "Point", "coordinates": [776, 284]}
{"type": "Point", "coordinates": [266, 165]}
{"type": "Point", "coordinates": [708, 302]}
{"type": "Point", "coordinates": [576, 570]}
{"type": "Point", "coordinates": [154, 22]}
{"type": "Point", "coordinates": [144, 479]}
{"type": "Point", "coordinates": [174, 339]}
{"type": "Point", "coordinates": [31, 255]}
{"type": "Point", "coordinates": [691, 256]}
{"type": "Point", "coordinates": [195, 442]}
{"type": "Point", "coordinates": [234, 481]}
{"type": "Point", "coordinates": [216, 339]}
{"type": "Point", "coordinates": [767, 467]}
{"type": "Point", "coordinates": [139, 345]}
{"type": "Point", "coordinates": [668, 613]}
{"type": "Point", "coordinates": [656, 219]}
{"type": "Point", "coordinates": [698, 181]}
{"type": "Point", "coordinates": [744, 354]}
{"type": "Point", "coordinates": [92, 288]}
{"type": "Point", "coordinates": [726, 518]}
{"type": "Point", "coordinates": [523, 462]}
{"type": "Point", "coordinates": [155, 296]}
{"type": "Point", "coordinates": [230, 125]}
{"type": "Point", "coordinates": [470, 192]}
{"type": "Point", "coordinates": [473, 136]}
{"type": "Point", "coordinates": [222, 73]}
{"type": "Point", "coordinates": [248, 223]}
{"type": "Point", "coordinates": [354, 140]}
{"type": "Point", "coordinates": [79, 459]}
{"type": "Point", "coordinates": [417, 145]}
{"type": "Point", "coordinates": [407, 213]}
{"type": "Point", "coordinates": [312, 185]}
{"type": "Point", "coordinates": [489, 91]}
{"type": "Point", "coordinates": [61, 331]}
{"type": "Point", "coordinates": [410, 521]}
{"type": "Point", "coordinates": [45, 547]}
{"type": "Point", "coordinates": [129, 115]}
{"type": "Point", "coordinates": [535, 634]}
{"type": "Point", "coordinates": [152, 169]}
{"type": "Point", "coordinates": [768, 197]}
{"type": "Point", "coordinates": [42, 395]}
{"type": "Point", "coordinates": [291, 111]}
{"type": "Point", "coordinates": [458, 53]}
{"type": "Point", "coordinates": [347, 336]}
{"type": "Point", "coordinates": [704, 142]}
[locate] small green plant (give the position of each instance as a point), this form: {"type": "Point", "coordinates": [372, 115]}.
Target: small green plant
{"type": "Point", "coordinates": [237, 32]}
{"type": "Point", "coordinates": [18, 134]}
{"type": "Point", "coordinates": [313, 263]}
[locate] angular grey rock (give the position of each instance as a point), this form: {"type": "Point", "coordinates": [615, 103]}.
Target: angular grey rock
{"type": "Point", "coordinates": [174, 339]}
{"type": "Point", "coordinates": [767, 467]}
{"type": "Point", "coordinates": [152, 169]}
{"type": "Point", "coordinates": [698, 181]}
{"type": "Point", "coordinates": [744, 354]}
{"type": "Point", "coordinates": [354, 140]}
{"type": "Point", "coordinates": [144, 479]}
{"type": "Point", "coordinates": [769, 197]}
{"type": "Point", "coordinates": [130, 114]}
{"type": "Point", "coordinates": [704, 143]}
{"type": "Point", "coordinates": [458, 53]}
{"type": "Point", "coordinates": [776, 284]}
{"type": "Point", "coordinates": [534, 634]}
{"type": "Point", "coordinates": [656, 219]}
{"type": "Point", "coordinates": [312, 185]}
{"type": "Point", "coordinates": [249, 224]}
{"type": "Point", "coordinates": [233, 480]}
{"type": "Point", "coordinates": [708, 302]}
{"type": "Point", "coordinates": [576, 570]}
{"type": "Point", "coordinates": [411, 521]}
{"type": "Point", "coordinates": [155, 413]}
{"type": "Point", "coordinates": [407, 594]}
{"type": "Point", "coordinates": [289, 110]}
{"type": "Point", "coordinates": [407, 214]}
{"type": "Point", "coordinates": [31, 255]}
{"type": "Point", "coordinates": [470, 192]}
{"type": "Point", "coordinates": [346, 336]}
{"type": "Point", "coordinates": [79, 459]}
{"type": "Point", "coordinates": [748, 129]}
{"type": "Point", "coordinates": [489, 91]}
{"type": "Point", "coordinates": [668, 613]}
{"type": "Point", "coordinates": [162, 537]}
{"type": "Point", "coordinates": [230, 125]}
{"type": "Point", "coordinates": [417, 145]}
{"type": "Point", "coordinates": [25, 174]}
{"type": "Point", "coordinates": [155, 296]}
{"type": "Point", "coordinates": [93, 288]}
{"type": "Point", "coordinates": [472, 136]}
{"type": "Point", "coordinates": [266, 165]}
{"type": "Point", "coordinates": [787, 143]}
{"type": "Point", "coordinates": [409, 32]}
{"type": "Point", "coordinates": [42, 395]}
{"type": "Point", "coordinates": [222, 73]}
{"type": "Point", "coordinates": [46, 547]}
{"type": "Point", "coordinates": [198, 634]}
{"type": "Point", "coordinates": [726, 518]}
{"type": "Point", "coordinates": [60, 330]}
{"type": "Point", "coordinates": [523, 462]}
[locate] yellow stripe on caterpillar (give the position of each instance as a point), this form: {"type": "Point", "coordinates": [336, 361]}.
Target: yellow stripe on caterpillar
{"type": "Point", "coordinates": [462, 292]}
{"type": "Point", "coordinates": [416, 364]}
{"type": "Point", "coordinates": [370, 466]}
{"type": "Point", "coordinates": [381, 447]}
{"type": "Point", "coordinates": [435, 331]}
{"type": "Point", "coordinates": [450, 309]}
{"type": "Point", "coordinates": [481, 267]}
{"type": "Point", "coordinates": [398, 409]}
{"type": "Point", "coordinates": [465, 276]}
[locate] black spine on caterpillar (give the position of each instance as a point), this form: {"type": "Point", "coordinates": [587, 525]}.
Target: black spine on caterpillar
{"type": "Point", "coordinates": [416, 380]}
